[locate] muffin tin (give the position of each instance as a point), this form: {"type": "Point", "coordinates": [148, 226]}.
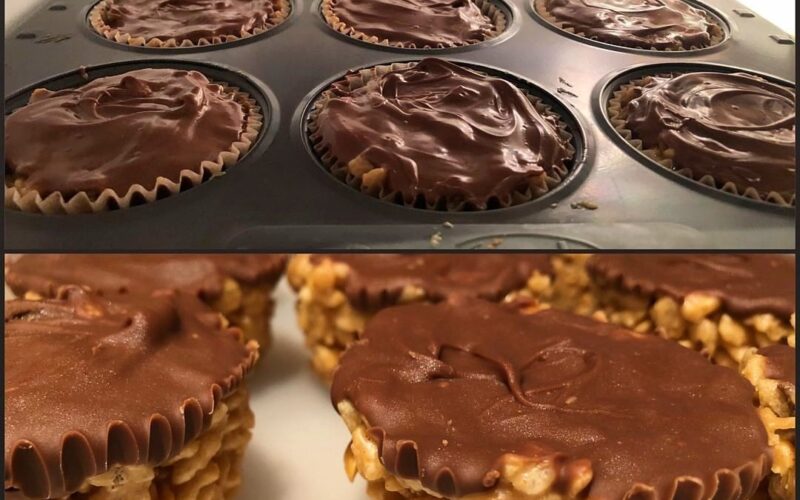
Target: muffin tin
{"type": "Point", "coordinates": [278, 197]}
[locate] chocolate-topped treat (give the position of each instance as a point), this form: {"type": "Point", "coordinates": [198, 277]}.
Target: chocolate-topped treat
{"type": "Point", "coordinates": [122, 395]}
{"type": "Point", "coordinates": [746, 284]}
{"type": "Point", "coordinates": [720, 304]}
{"type": "Point", "coordinates": [237, 285]}
{"type": "Point", "coordinates": [378, 280]}
{"type": "Point", "coordinates": [772, 371]}
{"type": "Point", "coordinates": [734, 131]}
{"type": "Point", "coordinates": [644, 24]}
{"type": "Point", "coordinates": [470, 397]}
{"type": "Point", "coordinates": [439, 135]}
{"type": "Point", "coordinates": [169, 23]}
{"type": "Point", "coordinates": [137, 132]}
{"type": "Point", "coordinates": [337, 293]}
{"type": "Point", "coordinates": [449, 23]}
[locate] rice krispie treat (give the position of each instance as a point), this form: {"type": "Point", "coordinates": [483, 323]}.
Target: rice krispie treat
{"type": "Point", "coordinates": [477, 401]}
{"type": "Point", "coordinates": [337, 293]}
{"type": "Point", "coordinates": [719, 304]}
{"type": "Point", "coordinates": [139, 397]}
{"type": "Point", "coordinates": [237, 285]}
{"type": "Point", "coordinates": [772, 371]}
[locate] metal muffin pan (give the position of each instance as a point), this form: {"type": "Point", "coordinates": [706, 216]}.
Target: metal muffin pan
{"type": "Point", "coordinates": [278, 197]}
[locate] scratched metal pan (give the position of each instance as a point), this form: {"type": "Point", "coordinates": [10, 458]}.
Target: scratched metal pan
{"type": "Point", "coordinates": [280, 198]}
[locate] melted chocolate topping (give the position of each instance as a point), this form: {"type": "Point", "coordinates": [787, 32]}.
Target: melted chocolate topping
{"type": "Point", "coordinates": [734, 127]}
{"type": "Point", "coordinates": [120, 130]}
{"type": "Point", "coordinates": [746, 284]}
{"type": "Point", "coordinates": [647, 24]}
{"type": "Point", "coordinates": [443, 131]}
{"type": "Point", "coordinates": [377, 280]}
{"type": "Point", "coordinates": [202, 275]}
{"type": "Point", "coordinates": [447, 390]}
{"type": "Point", "coordinates": [91, 383]}
{"type": "Point", "coordinates": [188, 19]}
{"type": "Point", "coordinates": [421, 23]}
{"type": "Point", "coordinates": [781, 362]}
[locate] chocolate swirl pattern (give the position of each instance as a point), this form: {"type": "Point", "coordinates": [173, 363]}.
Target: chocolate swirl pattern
{"type": "Point", "coordinates": [90, 384]}
{"type": "Point", "coordinates": [185, 22]}
{"type": "Point", "coordinates": [135, 131]}
{"type": "Point", "coordinates": [438, 135]}
{"type": "Point", "coordinates": [415, 23]}
{"type": "Point", "coordinates": [646, 24]}
{"type": "Point", "coordinates": [736, 129]}
{"type": "Point", "coordinates": [449, 392]}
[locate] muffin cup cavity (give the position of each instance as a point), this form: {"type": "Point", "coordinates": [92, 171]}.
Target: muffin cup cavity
{"type": "Point", "coordinates": [623, 93]}
{"type": "Point", "coordinates": [489, 8]}
{"type": "Point", "coordinates": [98, 23]}
{"type": "Point", "coordinates": [718, 31]}
{"type": "Point", "coordinates": [18, 196]}
{"type": "Point", "coordinates": [369, 179]}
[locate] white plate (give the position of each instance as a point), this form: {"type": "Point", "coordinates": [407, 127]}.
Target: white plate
{"type": "Point", "coordinates": [299, 440]}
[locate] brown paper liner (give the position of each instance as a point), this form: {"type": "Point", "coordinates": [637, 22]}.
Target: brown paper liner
{"type": "Point", "coordinates": [97, 22]}
{"type": "Point", "coordinates": [624, 94]}
{"type": "Point", "coordinates": [716, 32]}
{"type": "Point", "coordinates": [374, 187]}
{"type": "Point", "coordinates": [488, 8]}
{"type": "Point", "coordinates": [19, 197]}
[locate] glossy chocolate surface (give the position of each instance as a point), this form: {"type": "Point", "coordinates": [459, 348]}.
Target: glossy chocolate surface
{"type": "Point", "coordinates": [91, 383]}
{"type": "Point", "coordinates": [117, 131]}
{"type": "Point", "coordinates": [746, 284]}
{"type": "Point", "coordinates": [188, 19]}
{"type": "Point", "coordinates": [442, 131]}
{"type": "Point", "coordinates": [421, 23]}
{"type": "Point", "coordinates": [735, 127]}
{"type": "Point", "coordinates": [377, 280]}
{"type": "Point", "coordinates": [648, 24]}
{"type": "Point", "coordinates": [450, 391]}
{"type": "Point", "coordinates": [200, 274]}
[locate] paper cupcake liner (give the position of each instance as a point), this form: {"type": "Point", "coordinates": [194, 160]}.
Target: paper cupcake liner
{"type": "Point", "coordinates": [368, 178]}
{"type": "Point", "coordinates": [716, 32]}
{"type": "Point", "coordinates": [488, 8]}
{"type": "Point", "coordinates": [283, 9]}
{"type": "Point", "coordinates": [19, 197]}
{"type": "Point", "coordinates": [623, 94]}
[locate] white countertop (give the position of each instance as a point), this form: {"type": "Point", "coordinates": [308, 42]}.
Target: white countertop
{"type": "Point", "coordinates": [779, 12]}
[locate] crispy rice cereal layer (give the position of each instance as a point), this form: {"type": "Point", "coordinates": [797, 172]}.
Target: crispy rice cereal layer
{"type": "Point", "coordinates": [248, 307]}
{"type": "Point", "coordinates": [698, 322]}
{"type": "Point", "coordinates": [208, 468]}
{"type": "Point", "coordinates": [331, 323]}
{"type": "Point", "coordinates": [776, 401]}
{"type": "Point", "coordinates": [520, 479]}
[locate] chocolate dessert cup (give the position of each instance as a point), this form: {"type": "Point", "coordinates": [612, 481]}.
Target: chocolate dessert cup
{"type": "Point", "coordinates": [430, 144]}
{"type": "Point", "coordinates": [117, 398]}
{"type": "Point", "coordinates": [730, 131]}
{"type": "Point", "coordinates": [475, 400]}
{"type": "Point", "coordinates": [157, 24]}
{"type": "Point", "coordinates": [124, 139]}
{"type": "Point", "coordinates": [719, 304]}
{"type": "Point", "coordinates": [452, 23]}
{"type": "Point", "coordinates": [239, 286]}
{"type": "Point", "coordinates": [337, 294]}
{"type": "Point", "coordinates": [669, 25]}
